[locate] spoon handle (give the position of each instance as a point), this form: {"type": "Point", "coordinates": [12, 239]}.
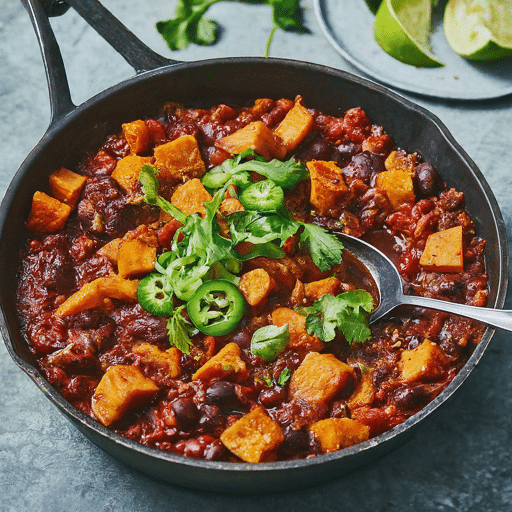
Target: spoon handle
{"type": "Point", "coordinates": [495, 317]}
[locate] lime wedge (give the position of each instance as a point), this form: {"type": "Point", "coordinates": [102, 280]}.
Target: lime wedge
{"type": "Point", "coordinates": [479, 29]}
{"type": "Point", "coordinates": [402, 29]}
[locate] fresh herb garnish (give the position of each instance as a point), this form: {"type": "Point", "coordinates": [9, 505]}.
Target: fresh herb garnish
{"type": "Point", "coordinates": [284, 377]}
{"type": "Point", "coordinates": [269, 341]}
{"type": "Point", "coordinates": [347, 312]}
{"type": "Point", "coordinates": [179, 330]}
{"type": "Point", "coordinates": [191, 26]}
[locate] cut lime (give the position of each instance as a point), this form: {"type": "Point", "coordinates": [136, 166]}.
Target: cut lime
{"type": "Point", "coordinates": [402, 29]}
{"type": "Point", "coordinates": [479, 29]}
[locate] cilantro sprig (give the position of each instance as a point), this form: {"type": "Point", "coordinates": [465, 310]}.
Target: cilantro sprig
{"type": "Point", "coordinates": [191, 26]}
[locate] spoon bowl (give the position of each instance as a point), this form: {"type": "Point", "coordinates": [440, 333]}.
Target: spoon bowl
{"type": "Point", "coordinates": [389, 285]}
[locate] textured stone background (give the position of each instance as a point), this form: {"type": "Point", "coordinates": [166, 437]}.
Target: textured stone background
{"type": "Point", "coordinates": [459, 461]}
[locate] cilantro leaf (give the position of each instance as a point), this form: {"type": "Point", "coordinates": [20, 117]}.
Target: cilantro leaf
{"type": "Point", "coordinates": [269, 341]}
{"type": "Point", "coordinates": [179, 330]}
{"type": "Point", "coordinates": [284, 377]}
{"type": "Point", "coordinates": [324, 247]}
{"type": "Point", "coordinates": [347, 312]}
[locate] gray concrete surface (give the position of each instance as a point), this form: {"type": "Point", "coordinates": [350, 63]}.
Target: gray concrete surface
{"type": "Point", "coordinates": [459, 461]}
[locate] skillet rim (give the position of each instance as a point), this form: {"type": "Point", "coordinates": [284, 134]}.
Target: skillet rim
{"type": "Point", "coordinates": [384, 439]}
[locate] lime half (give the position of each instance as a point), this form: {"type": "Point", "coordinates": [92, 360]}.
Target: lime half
{"type": "Point", "coordinates": [479, 29]}
{"type": "Point", "coordinates": [402, 29]}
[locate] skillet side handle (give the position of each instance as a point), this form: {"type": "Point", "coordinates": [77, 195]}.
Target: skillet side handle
{"type": "Point", "coordinates": [134, 51]}
{"type": "Point", "coordinates": [58, 87]}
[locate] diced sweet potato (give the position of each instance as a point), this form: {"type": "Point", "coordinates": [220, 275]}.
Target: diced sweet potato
{"type": "Point", "coordinates": [111, 250]}
{"type": "Point", "coordinates": [335, 433]}
{"type": "Point", "coordinates": [122, 388]}
{"type": "Point", "coordinates": [364, 392]}
{"type": "Point", "coordinates": [443, 251]}
{"type": "Point", "coordinates": [319, 378]}
{"type": "Point", "coordinates": [180, 159]}
{"type": "Point", "coordinates": [401, 161]}
{"type": "Point", "coordinates": [425, 362]}
{"type": "Point", "coordinates": [317, 289]}
{"type": "Point", "coordinates": [295, 126]}
{"type": "Point", "coordinates": [168, 361]}
{"type": "Point", "coordinates": [135, 259]}
{"type": "Point", "coordinates": [190, 196]}
{"type": "Point", "coordinates": [226, 363]}
{"type": "Point", "coordinates": [255, 286]}
{"type": "Point", "coordinates": [299, 338]}
{"type": "Point", "coordinates": [137, 135]}
{"type": "Point", "coordinates": [66, 185]}
{"type": "Point", "coordinates": [47, 215]}
{"type": "Point", "coordinates": [378, 143]}
{"type": "Point", "coordinates": [94, 294]}
{"type": "Point", "coordinates": [256, 136]}
{"type": "Point", "coordinates": [398, 186]}
{"type": "Point", "coordinates": [253, 437]}
{"type": "Point", "coordinates": [328, 188]}
{"type": "Point", "coordinates": [127, 173]}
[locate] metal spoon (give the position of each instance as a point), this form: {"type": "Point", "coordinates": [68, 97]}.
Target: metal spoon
{"type": "Point", "coordinates": [389, 284]}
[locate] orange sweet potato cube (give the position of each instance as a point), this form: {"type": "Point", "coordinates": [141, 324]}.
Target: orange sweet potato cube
{"type": "Point", "coordinates": [169, 361]}
{"type": "Point", "coordinates": [295, 126]}
{"type": "Point", "coordinates": [256, 136]}
{"type": "Point", "coordinates": [94, 294]}
{"type": "Point", "coordinates": [135, 259]}
{"type": "Point", "coordinates": [111, 250]}
{"type": "Point", "coordinates": [335, 433]}
{"type": "Point", "coordinates": [122, 388]}
{"type": "Point", "coordinates": [328, 188]}
{"type": "Point", "coordinates": [179, 160]}
{"type": "Point", "coordinates": [398, 186]}
{"type": "Point", "coordinates": [317, 289]}
{"type": "Point", "coordinates": [137, 135]}
{"type": "Point", "coordinates": [255, 286]}
{"type": "Point", "coordinates": [190, 196]}
{"type": "Point", "coordinates": [226, 363]}
{"type": "Point", "coordinates": [364, 392]}
{"type": "Point", "coordinates": [425, 362]}
{"type": "Point", "coordinates": [401, 161]}
{"type": "Point", "coordinates": [127, 173]}
{"type": "Point", "coordinates": [47, 215]}
{"type": "Point", "coordinates": [299, 338]}
{"type": "Point", "coordinates": [253, 437]}
{"type": "Point", "coordinates": [443, 251]}
{"type": "Point", "coordinates": [319, 378]}
{"type": "Point", "coordinates": [66, 185]}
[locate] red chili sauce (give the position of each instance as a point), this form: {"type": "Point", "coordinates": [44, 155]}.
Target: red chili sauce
{"type": "Point", "coordinates": [188, 417]}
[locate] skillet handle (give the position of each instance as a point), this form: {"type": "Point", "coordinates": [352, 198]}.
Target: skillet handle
{"type": "Point", "coordinates": [134, 51]}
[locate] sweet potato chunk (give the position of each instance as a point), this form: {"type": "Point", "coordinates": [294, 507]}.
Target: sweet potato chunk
{"type": "Point", "coordinates": [127, 173]}
{"type": "Point", "coordinates": [295, 126]}
{"type": "Point", "coordinates": [299, 338]}
{"type": "Point", "coordinates": [137, 135]}
{"type": "Point", "coordinates": [180, 159]}
{"type": "Point", "coordinates": [66, 185]}
{"type": "Point", "coordinates": [401, 161]}
{"type": "Point", "coordinates": [328, 187]}
{"type": "Point", "coordinates": [168, 361]}
{"type": "Point", "coordinates": [111, 250]}
{"type": "Point", "coordinates": [122, 388]}
{"type": "Point", "coordinates": [255, 286]}
{"type": "Point", "coordinates": [226, 363]}
{"type": "Point", "coordinates": [398, 186]}
{"type": "Point", "coordinates": [364, 392]}
{"type": "Point", "coordinates": [256, 136]}
{"type": "Point", "coordinates": [47, 215]}
{"type": "Point", "coordinates": [94, 294]}
{"type": "Point", "coordinates": [253, 437]}
{"type": "Point", "coordinates": [425, 362]}
{"type": "Point", "coordinates": [317, 289]}
{"type": "Point", "coordinates": [443, 251]}
{"type": "Point", "coordinates": [335, 433]}
{"type": "Point", "coordinates": [319, 378]}
{"type": "Point", "coordinates": [190, 196]}
{"type": "Point", "coordinates": [135, 258]}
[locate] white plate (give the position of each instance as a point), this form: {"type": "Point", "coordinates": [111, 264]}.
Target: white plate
{"type": "Point", "coordinates": [348, 25]}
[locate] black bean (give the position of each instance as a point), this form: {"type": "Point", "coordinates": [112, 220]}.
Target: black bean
{"type": "Point", "coordinates": [426, 179]}
{"type": "Point", "coordinates": [296, 440]}
{"type": "Point", "coordinates": [223, 394]}
{"type": "Point", "coordinates": [185, 411]}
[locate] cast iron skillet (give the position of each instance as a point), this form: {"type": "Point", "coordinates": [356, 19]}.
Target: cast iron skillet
{"type": "Point", "coordinates": [74, 131]}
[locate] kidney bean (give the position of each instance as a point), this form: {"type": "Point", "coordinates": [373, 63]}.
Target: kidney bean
{"type": "Point", "coordinates": [426, 179]}
{"type": "Point", "coordinates": [223, 394]}
{"type": "Point", "coordinates": [272, 397]}
{"type": "Point", "coordinates": [185, 411]}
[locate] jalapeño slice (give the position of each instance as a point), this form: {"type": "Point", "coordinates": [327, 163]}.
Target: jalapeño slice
{"type": "Point", "coordinates": [154, 294]}
{"type": "Point", "coordinates": [216, 307]}
{"type": "Point", "coordinates": [262, 196]}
